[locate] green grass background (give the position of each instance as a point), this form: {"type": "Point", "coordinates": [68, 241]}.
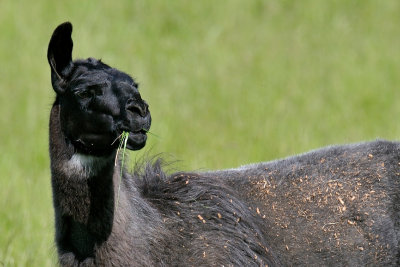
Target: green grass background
{"type": "Point", "coordinates": [228, 83]}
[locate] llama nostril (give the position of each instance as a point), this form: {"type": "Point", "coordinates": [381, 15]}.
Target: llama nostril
{"type": "Point", "coordinates": [146, 107]}
{"type": "Point", "coordinates": [136, 107]}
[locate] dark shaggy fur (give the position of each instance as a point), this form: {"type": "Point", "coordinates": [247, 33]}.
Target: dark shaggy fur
{"type": "Point", "coordinates": [334, 206]}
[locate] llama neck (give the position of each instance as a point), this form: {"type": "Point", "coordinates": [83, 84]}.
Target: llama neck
{"type": "Point", "coordinates": [83, 186]}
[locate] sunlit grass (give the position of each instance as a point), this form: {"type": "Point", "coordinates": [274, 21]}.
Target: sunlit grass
{"type": "Point", "coordinates": [227, 83]}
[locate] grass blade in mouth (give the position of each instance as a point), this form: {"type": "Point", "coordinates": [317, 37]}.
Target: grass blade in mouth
{"type": "Point", "coordinates": [148, 132]}
{"type": "Point", "coordinates": [123, 140]}
{"type": "Point", "coordinates": [121, 148]}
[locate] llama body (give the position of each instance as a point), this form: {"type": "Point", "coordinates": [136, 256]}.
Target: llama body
{"type": "Point", "coordinates": [334, 206]}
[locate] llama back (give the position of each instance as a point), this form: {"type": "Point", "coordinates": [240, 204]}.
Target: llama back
{"type": "Point", "coordinates": [336, 204]}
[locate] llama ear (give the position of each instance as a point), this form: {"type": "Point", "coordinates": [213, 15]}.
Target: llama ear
{"type": "Point", "coordinates": [59, 55]}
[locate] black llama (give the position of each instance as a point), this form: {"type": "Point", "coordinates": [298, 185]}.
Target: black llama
{"type": "Point", "coordinates": [334, 206]}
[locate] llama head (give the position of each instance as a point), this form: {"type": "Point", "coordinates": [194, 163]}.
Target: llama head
{"type": "Point", "coordinates": [97, 102]}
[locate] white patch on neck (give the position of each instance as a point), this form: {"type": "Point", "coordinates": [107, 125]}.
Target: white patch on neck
{"type": "Point", "coordinates": [85, 165]}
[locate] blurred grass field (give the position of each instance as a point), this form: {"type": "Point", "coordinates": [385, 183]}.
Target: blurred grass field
{"type": "Point", "coordinates": [228, 83]}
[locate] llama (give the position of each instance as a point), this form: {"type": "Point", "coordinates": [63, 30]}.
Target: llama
{"type": "Point", "coordinates": [333, 206]}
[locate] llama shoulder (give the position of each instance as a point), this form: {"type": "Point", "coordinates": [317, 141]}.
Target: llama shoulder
{"type": "Point", "coordinates": [209, 216]}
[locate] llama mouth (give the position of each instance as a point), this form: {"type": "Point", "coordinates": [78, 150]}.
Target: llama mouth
{"type": "Point", "coordinates": [137, 140]}
{"type": "Point", "coordinates": [99, 144]}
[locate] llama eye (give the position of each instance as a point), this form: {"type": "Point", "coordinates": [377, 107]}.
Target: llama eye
{"type": "Point", "coordinates": [84, 94]}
